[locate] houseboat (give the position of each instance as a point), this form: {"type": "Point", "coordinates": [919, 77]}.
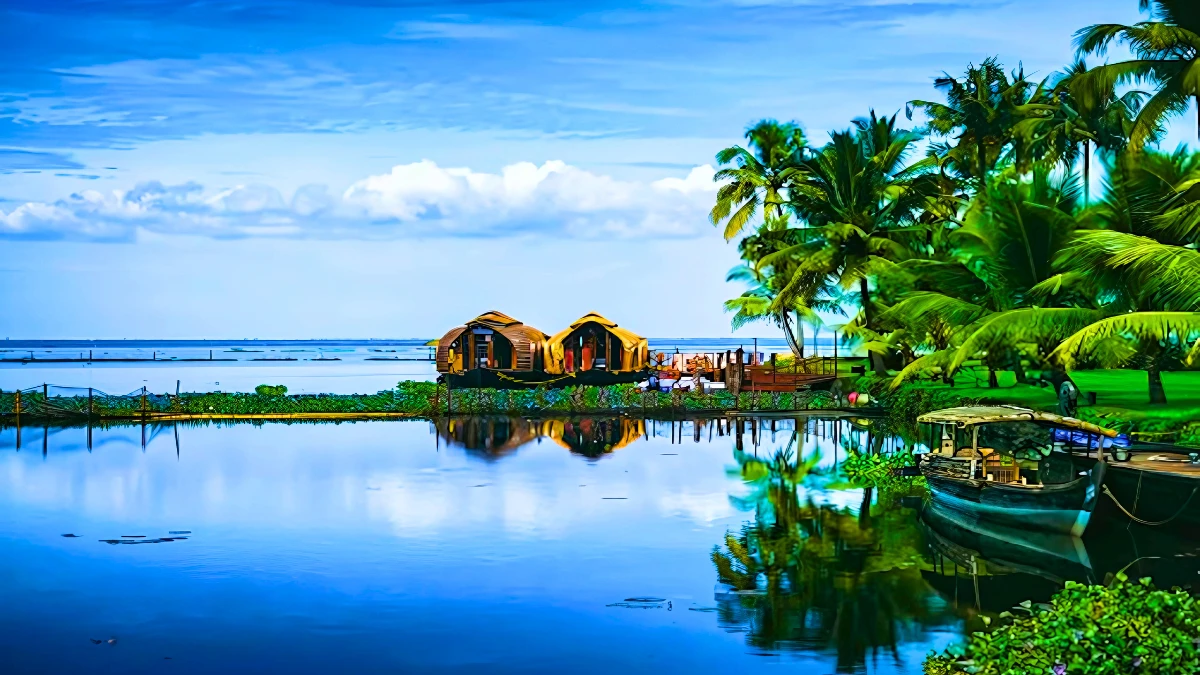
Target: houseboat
{"type": "Point", "coordinates": [496, 351]}
{"type": "Point", "coordinates": [492, 350]}
{"type": "Point", "coordinates": [1014, 466]}
{"type": "Point", "coordinates": [595, 350]}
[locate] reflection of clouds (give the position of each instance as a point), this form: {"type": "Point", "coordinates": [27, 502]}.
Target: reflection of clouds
{"type": "Point", "coordinates": [317, 477]}
{"type": "Point", "coordinates": [840, 499]}
{"type": "Point", "coordinates": [701, 509]}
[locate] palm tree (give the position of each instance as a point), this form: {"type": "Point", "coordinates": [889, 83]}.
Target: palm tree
{"type": "Point", "coordinates": [1161, 339]}
{"type": "Point", "coordinates": [1150, 193]}
{"type": "Point", "coordinates": [979, 115]}
{"type": "Point", "coordinates": [1063, 125]}
{"type": "Point", "coordinates": [1166, 50]}
{"type": "Point", "coordinates": [758, 302]}
{"type": "Point", "coordinates": [1152, 293]}
{"type": "Point", "coordinates": [861, 200]}
{"type": "Point", "coordinates": [759, 175]}
{"type": "Point", "coordinates": [1010, 237]}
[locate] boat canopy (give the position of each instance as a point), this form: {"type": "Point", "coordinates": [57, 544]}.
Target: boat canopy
{"type": "Point", "coordinates": [635, 351]}
{"type": "Point", "coordinates": [526, 343]}
{"type": "Point", "coordinates": [973, 415]}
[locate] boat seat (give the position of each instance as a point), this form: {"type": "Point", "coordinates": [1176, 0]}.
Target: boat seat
{"type": "Point", "coordinates": [1002, 468]}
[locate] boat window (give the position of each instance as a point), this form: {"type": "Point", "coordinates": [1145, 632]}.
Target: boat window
{"type": "Point", "coordinates": [1021, 439]}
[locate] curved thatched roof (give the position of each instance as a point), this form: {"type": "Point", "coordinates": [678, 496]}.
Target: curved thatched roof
{"type": "Point", "coordinates": [526, 340]}
{"type": "Point", "coordinates": [635, 349]}
{"type": "Point", "coordinates": [972, 415]}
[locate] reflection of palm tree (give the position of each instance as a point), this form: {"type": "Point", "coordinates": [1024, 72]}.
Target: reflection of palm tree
{"type": "Point", "coordinates": [803, 576]}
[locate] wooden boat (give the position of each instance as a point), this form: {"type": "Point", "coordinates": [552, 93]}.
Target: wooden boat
{"type": "Point", "coordinates": [1152, 485]}
{"type": "Point", "coordinates": [999, 464]}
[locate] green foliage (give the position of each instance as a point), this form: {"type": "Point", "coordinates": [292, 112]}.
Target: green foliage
{"type": "Point", "coordinates": [1088, 630]}
{"type": "Point", "coordinates": [878, 470]}
{"type": "Point", "coordinates": [419, 399]}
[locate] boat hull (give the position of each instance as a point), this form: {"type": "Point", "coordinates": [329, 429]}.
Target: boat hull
{"type": "Point", "coordinates": [1154, 497]}
{"type": "Point", "coordinates": [1065, 508]}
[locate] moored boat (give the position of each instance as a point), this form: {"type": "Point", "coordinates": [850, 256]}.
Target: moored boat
{"type": "Point", "coordinates": [1012, 466]}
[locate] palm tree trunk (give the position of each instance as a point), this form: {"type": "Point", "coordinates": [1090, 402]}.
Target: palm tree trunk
{"type": "Point", "coordinates": [1087, 173]}
{"type": "Point", "coordinates": [1158, 395]}
{"type": "Point", "coordinates": [864, 510]}
{"type": "Point", "coordinates": [1019, 370]}
{"type": "Point", "coordinates": [864, 290]}
{"type": "Point", "coordinates": [786, 324]}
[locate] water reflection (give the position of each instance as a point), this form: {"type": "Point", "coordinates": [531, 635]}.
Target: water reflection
{"type": "Point", "coordinates": [804, 576]}
{"type": "Point", "coordinates": [993, 568]}
{"type": "Point", "coordinates": [507, 544]}
{"type": "Point", "coordinates": [498, 436]}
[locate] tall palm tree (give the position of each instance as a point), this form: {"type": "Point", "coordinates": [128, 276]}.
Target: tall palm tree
{"type": "Point", "coordinates": [861, 199]}
{"type": "Point", "coordinates": [758, 176]}
{"type": "Point", "coordinates": [758, 302]}
{"type": "Point", "coordinates": [1166, 50]}
{"type": "Point", "coordinates": [1151, 193]}
{"type": "Point", "coordinates": [981, 110]}
{"type": "Point", "coordinates": [1063, 125]}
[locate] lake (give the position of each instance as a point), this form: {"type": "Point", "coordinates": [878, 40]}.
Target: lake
{"type": "Point", "coordinates": [497, 545]}
{"type": "Point", "coordinates": [304, 366]}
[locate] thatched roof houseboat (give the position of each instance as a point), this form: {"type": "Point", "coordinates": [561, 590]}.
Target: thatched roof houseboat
{"type": "Point", "coordinates": [596, 343]}
{"type": "Point", "coordinates": [492, 340]}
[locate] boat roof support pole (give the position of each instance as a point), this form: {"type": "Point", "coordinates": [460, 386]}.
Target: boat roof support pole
{"type": "Point", "coordinates": [974, 448]}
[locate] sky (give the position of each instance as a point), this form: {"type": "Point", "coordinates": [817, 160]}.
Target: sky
{"type": "Point", "coordinates": [392, 168]}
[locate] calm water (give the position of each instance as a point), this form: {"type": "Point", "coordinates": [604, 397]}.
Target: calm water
{"type": "Point", "coordinates": [304, 366]}
{"type": "Point", "coordinates": [492, 545]}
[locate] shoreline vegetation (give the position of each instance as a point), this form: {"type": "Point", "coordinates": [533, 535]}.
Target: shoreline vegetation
{"type": "Point", "coordinates": [410, 399]}
{"type": "Point", "coordinates": [1179, 424]}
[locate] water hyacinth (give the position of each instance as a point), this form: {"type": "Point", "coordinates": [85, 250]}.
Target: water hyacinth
{"type": "Point", "coordinates": [416, 399]}
{"type": "Point", "coordinates": [1087, 630]}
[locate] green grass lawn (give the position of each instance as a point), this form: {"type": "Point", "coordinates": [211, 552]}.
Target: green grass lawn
{"type": "Point", "coordinates": [1122, 396]}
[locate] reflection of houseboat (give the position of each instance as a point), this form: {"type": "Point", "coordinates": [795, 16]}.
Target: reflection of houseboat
{"type": "Point", "coordinates": [1000, 464]}
{"type": "Point", "coordinates": [490, 436]}
{"type": "Point", "coordinates": [499, 436]}
{"type": "Point", "coordinates": [594, 436]}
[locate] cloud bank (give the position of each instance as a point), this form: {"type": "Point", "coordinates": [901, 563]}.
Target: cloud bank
{"type": "Point", "coordinates": [420, 199]}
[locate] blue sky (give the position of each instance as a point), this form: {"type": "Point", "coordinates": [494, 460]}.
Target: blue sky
{"type": "Point", "coordinates": [382, 168]}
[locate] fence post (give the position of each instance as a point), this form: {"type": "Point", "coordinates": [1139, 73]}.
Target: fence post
{"type": "Point", "coordinates": [89, 403]}
{"type": "Point", "coordinates": [143, 401]}
{"type": "Point", "coordinates": [17, 406]}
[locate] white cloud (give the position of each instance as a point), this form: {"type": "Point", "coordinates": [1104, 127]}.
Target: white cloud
{"type": "Point", "coordinates": [418, 199]}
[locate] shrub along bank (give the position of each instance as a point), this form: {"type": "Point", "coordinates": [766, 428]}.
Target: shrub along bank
{"type": "Point", "coordinates": [416, 399]}
{"type": "Point", "coordinates": [1128, 627]}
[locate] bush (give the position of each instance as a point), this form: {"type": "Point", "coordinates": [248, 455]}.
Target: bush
{"type": "Point", "coordinates": [271, 390]}
{"type": "Point", "coordinates": [1127, 627]}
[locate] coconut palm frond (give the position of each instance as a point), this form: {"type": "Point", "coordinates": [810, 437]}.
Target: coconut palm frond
{"type": "Point", "coordinates": [1136, 327]}
{"type": "Point", "coordinates": [1160, 276]}
{"type": "Point", "coordinates": [921, 307]}
{"type": "Point", "coordinates": [1023, 326]}
{"type": "Point", "coordinates": [940, 360]}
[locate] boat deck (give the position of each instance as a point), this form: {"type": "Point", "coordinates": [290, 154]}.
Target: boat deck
{"type": "Point", "coordinates": [1162, 463]}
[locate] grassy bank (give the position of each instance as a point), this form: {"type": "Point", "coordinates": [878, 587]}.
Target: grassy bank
{"type": "Point", "coordinates": [415, 399]}
{"type": "Point", "coordinates": [1122, 401]}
